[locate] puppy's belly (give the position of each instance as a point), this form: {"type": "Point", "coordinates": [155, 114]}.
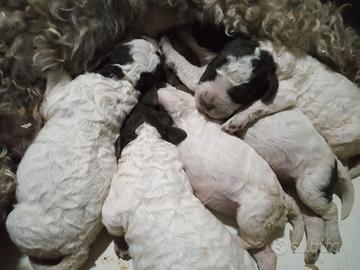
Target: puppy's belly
{"type": "Point", "coordinates": [216, 201]}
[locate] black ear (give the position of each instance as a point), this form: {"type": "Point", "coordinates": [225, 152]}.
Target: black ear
{"type": "Point", "coordinates": [272, 84]}
{"type": "Point", "coordinates": [145, 82]}
{"type": "Point", "coordinates": [151, 98]}
{"type": "Point", "coordinates": [174, 135]}
{"type": "Point", "coordinates": [111, 71]}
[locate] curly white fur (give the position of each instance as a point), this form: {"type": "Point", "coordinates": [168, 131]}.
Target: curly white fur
{"type": "Point", "coordinates": [229, 176]}
{"type": "Point", "coordinates": [64, 177]}
{"type": "Point", "coordinates": [39, 35]}
{"type": "Point", "coordinates": [65, 174]}
{"type": "Point", "coordinates": [165, 225]}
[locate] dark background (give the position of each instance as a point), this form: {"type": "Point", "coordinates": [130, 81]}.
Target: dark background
{"type": "Point", "coordinates": [351, 13]}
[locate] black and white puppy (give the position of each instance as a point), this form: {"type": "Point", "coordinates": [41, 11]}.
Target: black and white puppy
{"type": "Point", "coordinates": [239, 75]}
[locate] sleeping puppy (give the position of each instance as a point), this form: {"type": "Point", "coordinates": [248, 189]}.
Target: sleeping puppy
{"type": "Point", "coordinates": [151, 203]}
{"type": "Point", "coordinates": [289, 143]}
{"type": "Point", "coordinates": [64, 177]}
{"type": "Point", "coordinates": [230, 177]}
{"type": "Point", "coordinates": [327, 98]}
{"type": "Point", "coordinates": [244, 74]}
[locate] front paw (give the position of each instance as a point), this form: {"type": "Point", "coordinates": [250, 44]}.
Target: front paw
{"type": "Point", "coordinates": [233, 126]}
{"type": "Point", "coordinates": [165, 45]}
{"type": "Point", "coordinates": [168, 52]}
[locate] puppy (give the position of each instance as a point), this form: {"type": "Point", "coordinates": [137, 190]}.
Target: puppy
{"type": "Point", "coordinates": [286, 140]}
{"type": "Point", "coordinates": [327, 98]}
{"type": "Point", "coordinates": [229, 176]}
{"type": "Point", "coordinates": [151, 202]}
{"type": "Point", "coordinates": [64, 177]}
{"type": "Point", "coordinates": [244, 74]}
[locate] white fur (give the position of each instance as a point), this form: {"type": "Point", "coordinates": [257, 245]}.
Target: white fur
{"type": "Point", "coordinates": [64, 177]}
{"type": "Point", "coordinates": [297, 153]}
{"type": "Point", "coordinates": [165, 225]}
{"type": "Point", "coordinates": [229, 176]}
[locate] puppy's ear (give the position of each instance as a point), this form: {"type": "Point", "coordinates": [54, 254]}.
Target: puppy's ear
{"type": "Point", "coordinates": [145, 82]}
{"type": "Point", "coordinates": [111, 71]}
{"type": "Point", "coordinates": [272, 83]}
{"type": "Point", "coordinates": [151, 98]}
{"type": "Point", "coordinates": [174, 135]}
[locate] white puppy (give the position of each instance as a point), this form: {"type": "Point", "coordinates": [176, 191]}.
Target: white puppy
{"type": "Point", "coordinates": [64, 177]}
{"type": "Point", "coordinates": [229, 176]}
{"type": "Point", "coordinates": [152, 204]}
{"type": "Point", "coordinates": [290, 144]}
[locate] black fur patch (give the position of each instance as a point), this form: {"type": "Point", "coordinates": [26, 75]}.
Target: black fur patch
{"type": "Point", "coordinates": [120, 54]}
{"type": "Point", "coordinates": [329, 189]}
{"type": "Point", "coordinates": [210, 71]}
{"type": "Point", "coordinates": [263, 82]}
{"type": "Point", "coordinates": [149, 80]}
{"type": "Point", "coordinates": [239, 47]}
{"type": "Point", "coordinates": [211, 37]}
{"type": "Point", "coordinates": [151, 111]}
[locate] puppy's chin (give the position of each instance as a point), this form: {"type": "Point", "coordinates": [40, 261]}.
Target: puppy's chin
{"type": "Point", "coordinates": [212, 115]}
{"type": "Point", "coordinates": [216, 114]}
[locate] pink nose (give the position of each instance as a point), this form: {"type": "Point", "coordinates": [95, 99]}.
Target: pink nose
{"type": "Point", "coordinates": [206, 104]}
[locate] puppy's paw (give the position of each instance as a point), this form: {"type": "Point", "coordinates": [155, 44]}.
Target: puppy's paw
{"type": "Point", "coordinates": [234, 125]}
{"type": "Point", "coordinates": [311, 256]}
{"type": "Point", "coordinates": [165, 45]}
{"type": "Point", "coordinates": [332, 246]}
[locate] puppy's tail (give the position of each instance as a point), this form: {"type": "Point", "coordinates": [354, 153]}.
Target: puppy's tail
{"type": "Point", "coordinates": [344, 190]}
{"type": "Point", "coordinates": [297, 222]}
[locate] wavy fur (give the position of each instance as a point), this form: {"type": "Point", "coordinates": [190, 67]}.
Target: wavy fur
{"type": "Point", "coordinates": [41, 35]}
{"type": "Point", "coordinates": [310, 25]}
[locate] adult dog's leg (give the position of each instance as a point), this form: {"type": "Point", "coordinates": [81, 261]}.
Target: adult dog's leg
{"type": "Point", "coordinates": [204, 55]}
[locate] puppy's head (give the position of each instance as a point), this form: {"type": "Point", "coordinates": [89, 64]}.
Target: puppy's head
{"type": "Point", "coordinates": [138, 61]}
{"type": "Point", "coordinates": [240, 75]}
